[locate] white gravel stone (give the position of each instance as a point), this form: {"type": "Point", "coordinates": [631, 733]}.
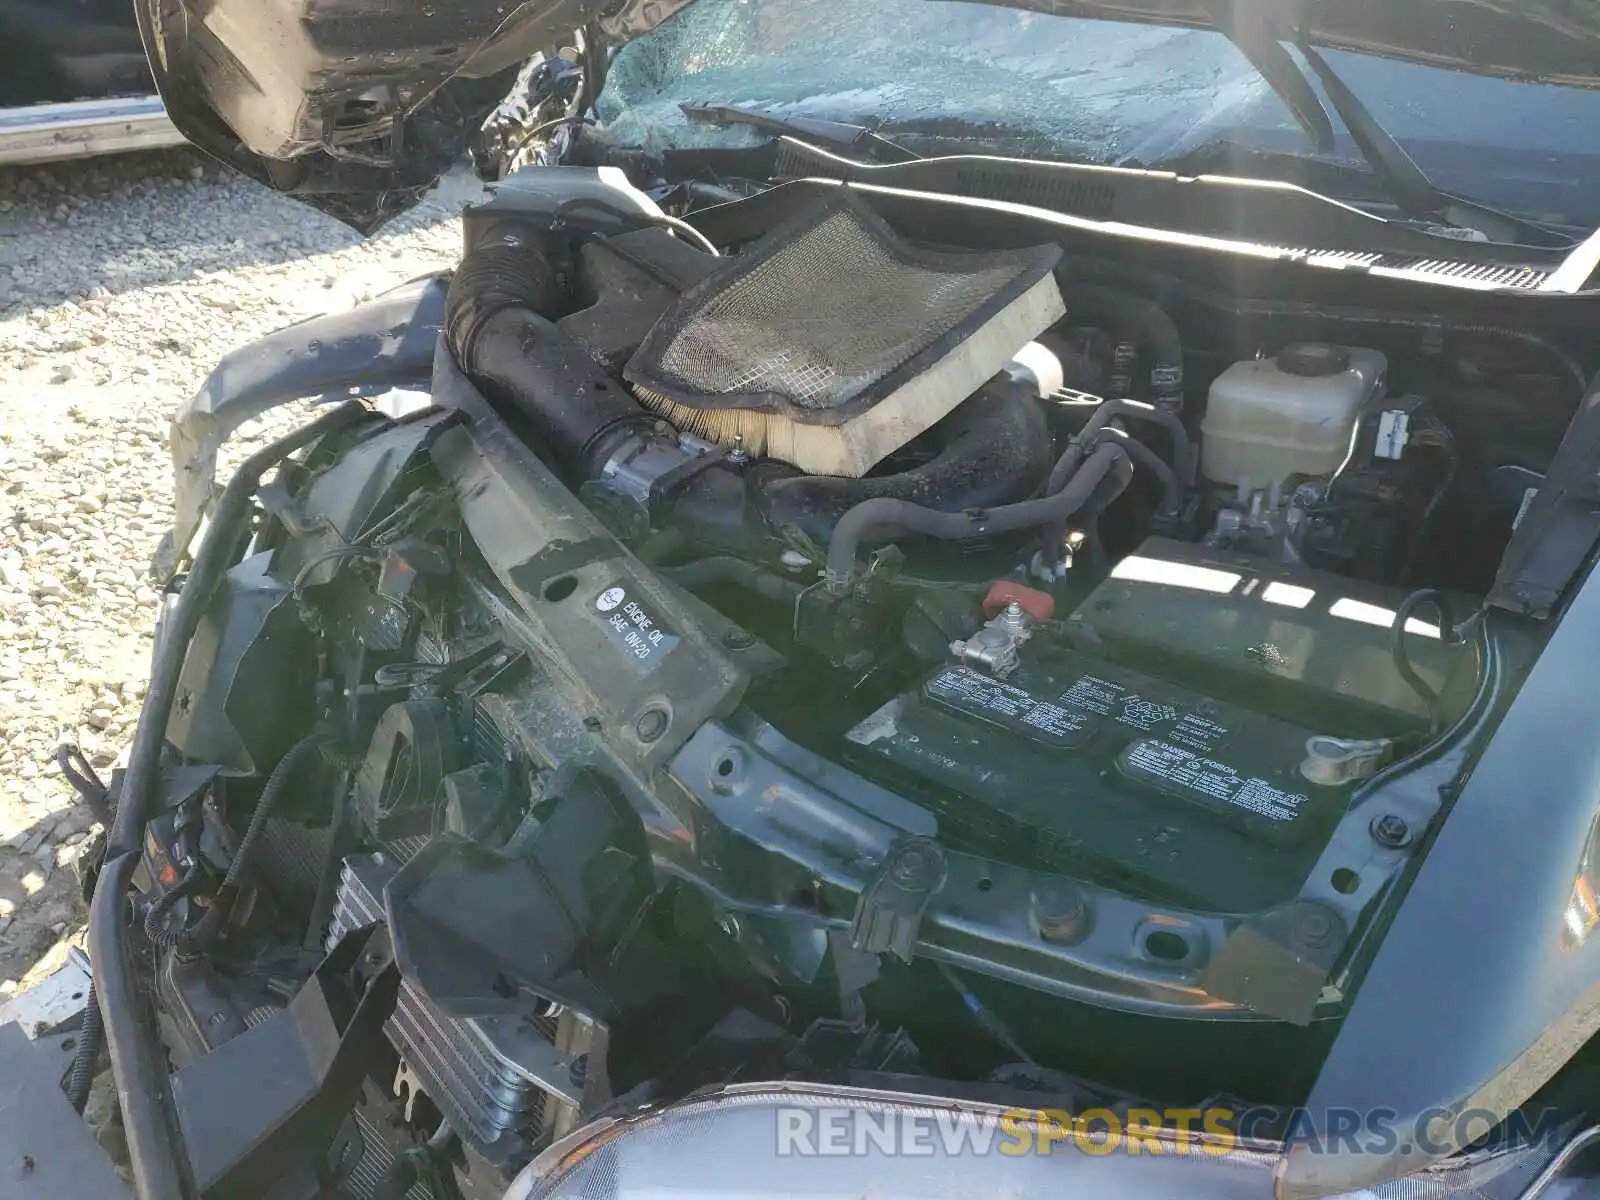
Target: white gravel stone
{"type": "Point", "coordinates": [122, 281]}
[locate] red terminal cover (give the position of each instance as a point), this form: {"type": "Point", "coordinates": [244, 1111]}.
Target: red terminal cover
{"type": "Point", "coordinates": [1038, 605]}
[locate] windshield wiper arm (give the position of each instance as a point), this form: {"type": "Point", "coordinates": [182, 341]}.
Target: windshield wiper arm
{"type": "Point", "coordinates": [1263, 50]}
{"type": "Point", "coordinates": [840, 134]}
{"type": "Point", "coordinates": [1405, 183]}
{"type": "Point", "coordinates": [1412, 191]}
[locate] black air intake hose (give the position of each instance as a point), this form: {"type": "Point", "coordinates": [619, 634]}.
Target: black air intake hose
{"type": "Point", "coordinates": [1134, 314]}
{"type": "Point", "coordinates": [499, 326]}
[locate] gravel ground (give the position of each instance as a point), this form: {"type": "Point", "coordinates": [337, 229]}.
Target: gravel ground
{"type": "Point", "coordinates": [122, 281]}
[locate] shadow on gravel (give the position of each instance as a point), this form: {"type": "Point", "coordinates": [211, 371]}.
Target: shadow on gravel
{"type": "Point", "coordinates": [41, 904]}
{"type": "Point", "coordinates": [98, 227]}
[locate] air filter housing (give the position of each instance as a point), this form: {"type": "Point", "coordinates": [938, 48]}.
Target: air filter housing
{"type": "Point", "coordinates": [833, 342]}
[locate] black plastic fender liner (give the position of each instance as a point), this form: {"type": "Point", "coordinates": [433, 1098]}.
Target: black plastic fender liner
{"type": "Point", "coordinates": [265, 1105]}
{"type": "Point", "coordinates": [385, 343]}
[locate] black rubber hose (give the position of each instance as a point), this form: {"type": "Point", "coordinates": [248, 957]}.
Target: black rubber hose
{"type": "Point", "coordinates": [1440, 603]}
{"type": "Point", "coordinates": [1106, 412]}
{"type": "Point", "coordinates": [211, 924]}
{"type": "Point", "coordinates": [1146, 318]}
{"type": "Point", "coordinates": [1097, 427]}
{"type": "Point", "coordinates": [1171, 492]}
{"type": "Point", "coordinates": [884, 516]}
{"type": "Point", "coordinates": [737, 573]}
{"type": "Point", "coordinates": [80, 773]}
{"type": "Point", "coordinates": [1183, 455]}
{"type": "Point", "coordinates": [137, 1061]}
{"type": "Point", "coordinates": [156, 1157]}
{"type": "Point", "coordinates": [500, 330]}
{"type": "Point", "coordinates": [91, 1036]}
{"type": "Point", "coordinates": [1088, 517]}
{"type": "Point", "coordinates": [991, 450]}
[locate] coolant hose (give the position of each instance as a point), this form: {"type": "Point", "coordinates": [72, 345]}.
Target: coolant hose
{"type": "Point", "coordinates": [886, 516]}
{"type": "Point", "coordinates": [1088, 517]}
{"type": "Point", "coordinates": [137, 1060]}
{"type": "Point", "coordinates": [992, 450]}
{"type": "Point", "coordinates": [1098, 434]}
{"type": "Point", "coordinates": [1109, 410]}
{"type": "Point", "coordinates": [1148, 319]}
{"type": "Point", "coordinates": [1171, 493]}
{"type": "Point", "coordinates": [499, 327]}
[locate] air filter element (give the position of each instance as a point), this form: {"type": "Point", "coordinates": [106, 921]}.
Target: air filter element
{"type": "Point", "coordinates": [832, 342]}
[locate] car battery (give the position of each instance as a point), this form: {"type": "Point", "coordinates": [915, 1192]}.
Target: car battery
{"type": "Point", "coordinates": [1074, 762]}
{"type": "Point", "coordinates": [1277, 637]}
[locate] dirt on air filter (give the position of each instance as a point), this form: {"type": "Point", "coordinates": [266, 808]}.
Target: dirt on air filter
{"type": "Point", "coordinates": [833, 342]}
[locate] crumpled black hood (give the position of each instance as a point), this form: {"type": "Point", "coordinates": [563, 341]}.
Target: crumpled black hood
{"type": "Point", "coordinates": [357, 109]}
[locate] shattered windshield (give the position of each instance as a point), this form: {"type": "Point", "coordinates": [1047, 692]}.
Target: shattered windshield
{"type": "Point", "coordinates": [960, 77]}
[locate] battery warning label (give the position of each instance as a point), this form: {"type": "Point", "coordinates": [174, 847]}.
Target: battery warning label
{"type": "Point", "coordinates": [1144, 714]}
{"type": "Point", "coordinates": [1195, 777]}
{"type": "Point", "coordinates": [1009, 707]}
{"type": "Point", "coordinates": [641, 637]}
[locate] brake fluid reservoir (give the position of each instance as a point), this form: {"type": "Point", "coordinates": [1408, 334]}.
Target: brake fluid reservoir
{"type": "Point", "coordinates": [1272, 418]}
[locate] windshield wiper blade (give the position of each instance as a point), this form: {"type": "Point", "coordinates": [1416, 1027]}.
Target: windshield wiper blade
{"type": "Point", "coordinates": [839, 134]}
{"type": "Point", "coordinates": [1283, 75]}
{"type": "Point", "coordinates": [1402, 180]}
{"type": "Point", "coordinates": [1413, 192]}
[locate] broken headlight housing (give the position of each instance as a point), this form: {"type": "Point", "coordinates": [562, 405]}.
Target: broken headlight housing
{"type": "Point", "coordinates": [769, 1140]}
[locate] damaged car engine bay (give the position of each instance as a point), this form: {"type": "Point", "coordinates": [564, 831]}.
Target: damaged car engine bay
{"type": "Point", "coordinates": [839, 632]}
